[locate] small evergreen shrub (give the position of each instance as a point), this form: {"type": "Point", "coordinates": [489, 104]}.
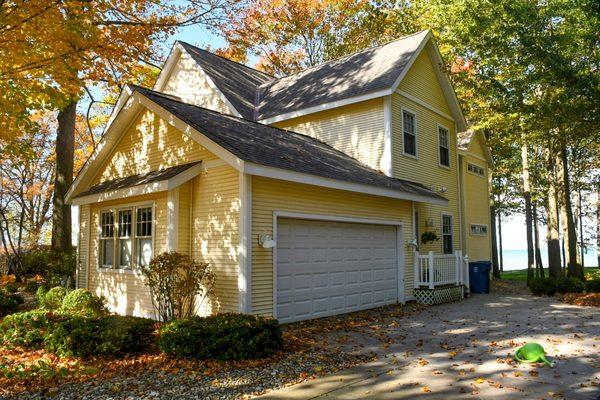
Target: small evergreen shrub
{"type": "Point", "coordinates": [543, 286]}
{"type": "Point", "coordinates": [126, 335]}
{"type": "Point", "coordinates": [569, 285]}
{"type": "Point", "coordinates": [9, 303]}
{"type": "Point", "coordinates": [82, 302]}
{"type": "Point", "coordinates": [223, 336]}
{"type": "Point", "coordinates": [74, 336]}
{"type": "Point", "coordinates": [53, 299]}
{"type": "Point", "coordinates": [593, 286]}
{"type": "Point", "coordinates": [26, 329]}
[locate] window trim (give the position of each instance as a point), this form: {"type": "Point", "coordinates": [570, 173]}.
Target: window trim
{"type": "Point", "coordinates": [474, 173]}
{"type": "Point", "coordinates": [447, 214]}
{"type": "Point", "coordinates": [478, 234]}
{"type": "Point", "coordinates": [134, 269]}
{"type": "Point", "coordinates": [438, 127]}
{"type": "Point", "coordinates": [414, 114]}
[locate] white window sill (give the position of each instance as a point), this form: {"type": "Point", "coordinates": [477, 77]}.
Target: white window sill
{"type": "Point", "coordinates": [106, 270]}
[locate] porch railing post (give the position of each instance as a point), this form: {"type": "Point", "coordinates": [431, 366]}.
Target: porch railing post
{"type": "Point", "coordinates": [458, 266]}
{"type": "Point", "coordinates": [431, 271]}
{"type": "Point", "coordinates": [417, 273]}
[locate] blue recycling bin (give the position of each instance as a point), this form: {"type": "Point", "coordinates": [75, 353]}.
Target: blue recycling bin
{"type": "Point", "coordinates": [479, 276]}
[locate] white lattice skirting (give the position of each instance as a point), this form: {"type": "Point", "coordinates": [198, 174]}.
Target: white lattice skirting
{"type": "Point", "coordinates": [439, 295]}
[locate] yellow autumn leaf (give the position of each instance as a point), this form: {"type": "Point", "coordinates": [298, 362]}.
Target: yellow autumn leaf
{"type": "Point", "coordinates": [479, 381]}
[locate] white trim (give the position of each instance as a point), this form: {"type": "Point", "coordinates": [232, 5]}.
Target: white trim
{"type": "Point", "coordinates": [222, 96]}
{"type": "Point", "coordinates": [409, 111]}
{"type": "Point", "coordinates": [154, 187]}
{"type": "Point", "coordinates": [245, 244]}
{"type": "Point", "coordinates": [424, 104]}
{"type": "Point", "coordinates": [88, 256]}
{"type": "Point", "coordinates": [355, 220]}
{"type": "Point", "coordinates": [412, 60]}
{"type": "Point", "coordinates": [277, 173]}
{"type": "Point", "coordinates": [77, 258]}
{"type": "Point", "coordinates": [325, 106]}
{"type": "Point", "coordinates": [167, 69]}
{"type": "Point", "coordinates": [438, 126]}
{"type": "Point", "coordinates": [386, 159]}
{"type": "Point", "coordinates": [173, 219]}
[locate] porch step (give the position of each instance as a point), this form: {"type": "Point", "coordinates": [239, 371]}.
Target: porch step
{"type": "Point", "coordinates": [439, 295]}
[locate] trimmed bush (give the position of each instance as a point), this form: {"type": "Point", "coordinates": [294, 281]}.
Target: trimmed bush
{"type": "Point", "coordinates": [9, 303]}
{"type": "Point", "coordinates": [53, 299]}
{"type": "Point", "coordinates": [543, 286]}
{"type": "Point", "coordinates": [593, 286]}
{"type": "Point", "coordinates": [78, 336]}
{"type": "Point", "coordinates": [26, 329]}
{"type": "Point", "coordinates": [569, 285]}
{"type": "Point", "coordinates": [82, 302]}
{"type": "Point", "coordinates": [223, 336]}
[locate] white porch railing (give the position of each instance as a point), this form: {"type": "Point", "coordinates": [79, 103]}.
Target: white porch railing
{"type": "Point", "coordinates": [433, 270]}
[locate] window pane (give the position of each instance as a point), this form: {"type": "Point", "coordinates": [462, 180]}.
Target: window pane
{"type": "Point", "coordinates": [125, 223]}
{"type": "Point", "coordinates": [107, 226]}
{"type": "Point", "coordinates": [107, 252]}
{"type": "Point", "coordinates": [144, 251]}
{"type": "Point", "coordinates": [144, 222]}
{"type": "Point", "coordinates": [447, 244]}
{"type": "Point", "coordinates": [409, 144]}
{"type": "Point", "coordinates": [444, 157]}
{"type": "Point", "coordinates": [125, 253]}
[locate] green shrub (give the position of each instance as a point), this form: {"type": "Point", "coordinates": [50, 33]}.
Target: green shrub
{"type": "Point", "coordinates": [224, 336]}
{"type": "Point", "coordinates": [82, 302]}
{"type": "Point", "coordinates": [569, 285]}
{"type": "Point", "coordinates": [9, 302]}
{"type": "Point", "coordinates": [543, 286]}
{"type": "Point", "coordinates": [78, 336]}
{"type": "Point", "coordinates": [31, 286]}
{"type": "Point", "coordinates": [26, 329]}
{"type": "Point", "coordinates": [54, 266]}
{"type": "Point", "coordinates": [53, 299]}
{"type": "Point", "coordinates": [11, 288]}
{"type": "Point", "coordinates": [593, 286]}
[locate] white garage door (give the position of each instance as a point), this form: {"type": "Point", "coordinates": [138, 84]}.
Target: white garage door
{"type": "Point", "coordinates": [326, 268]}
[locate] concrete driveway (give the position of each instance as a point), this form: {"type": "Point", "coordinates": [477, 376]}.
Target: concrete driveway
{"type": "Point", "coordinates": [464, 350]}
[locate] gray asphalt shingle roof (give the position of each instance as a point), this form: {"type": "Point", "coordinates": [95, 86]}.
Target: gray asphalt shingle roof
{"type": "Point", "coordinates": [258, 96]}
{"type": "Point", "coordinates": [268, 146]}
{"type": "Point", "coordinates": [140, 179]}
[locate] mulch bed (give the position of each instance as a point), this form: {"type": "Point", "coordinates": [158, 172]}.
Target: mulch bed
{"type": "Point", "coordinates": [580, 299]}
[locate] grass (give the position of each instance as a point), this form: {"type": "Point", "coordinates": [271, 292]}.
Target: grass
{"type": "Point", "coordinates": [521, 274]}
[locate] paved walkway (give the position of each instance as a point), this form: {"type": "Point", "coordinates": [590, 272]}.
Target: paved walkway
{"type": "Point", "coordinates": [464, 350]}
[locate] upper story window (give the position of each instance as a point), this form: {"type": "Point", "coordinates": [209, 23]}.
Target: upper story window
{"type": "Point", "coordinates": [444, 143]}
{"type": "Point", "coordinates": [447, 234]}
{"type": "Point", "coordinates": [476, 169]}
{"type": "Point", "coordinates": [478, 229]}
{"type": "Point", "coordinates": [130, 234]}
{"type": "Point", "coordinates": [409, 129]}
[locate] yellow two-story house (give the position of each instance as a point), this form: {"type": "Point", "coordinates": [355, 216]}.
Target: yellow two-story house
{"type": "Point", "coordinates": [350, 185]}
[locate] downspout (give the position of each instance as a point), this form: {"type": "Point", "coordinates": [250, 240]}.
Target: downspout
{"type": "Point", "coordinates": [190, 230]}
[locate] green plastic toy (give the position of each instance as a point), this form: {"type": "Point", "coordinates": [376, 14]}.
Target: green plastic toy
{"type": "Point", "coordinates": [531, 353]}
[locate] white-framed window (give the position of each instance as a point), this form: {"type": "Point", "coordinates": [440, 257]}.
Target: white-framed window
{"type": "Point", "coordinates": [478, 230]}
{"type": "Point", "coordinates": [444, 146]}
{"type": "Point", "coordinates": [126, 236]}
{"type": "Point", "coordinates": [475, 169]}
{"type": "Point", "coordinates": [447, 239]}
{"type": "Point", "coordinates": [409, 133]}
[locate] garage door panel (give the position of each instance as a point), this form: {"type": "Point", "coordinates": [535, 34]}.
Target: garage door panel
{"type": "Point", "coordinates": [326, 268]}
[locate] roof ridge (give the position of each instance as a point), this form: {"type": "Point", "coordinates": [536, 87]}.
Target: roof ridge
{"type": "Point", "coordinates": [227, 59]}
{"type": "Point", "coordinates": [343, 57]}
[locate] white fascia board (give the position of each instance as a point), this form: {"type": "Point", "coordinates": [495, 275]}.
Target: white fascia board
{"type": "Point", "coordinates": [386, 159]}
{"type": "Point", "coordinates": [165, 72]}
{"type": "Point", "coordinates": [116, 120]}
{"type": "Point", "coordinates": [325, 106]}
{"type": "Point", "coordinates": [154, 187]}
{"type": "Point", "coordinates": [298, 177]}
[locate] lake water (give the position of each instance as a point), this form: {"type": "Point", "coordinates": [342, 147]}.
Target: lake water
{"type": "Point", "coordinates": [517, 259]}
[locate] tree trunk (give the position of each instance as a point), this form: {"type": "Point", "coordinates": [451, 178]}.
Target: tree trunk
{"type": "Point", "coordinates": [528, 213]}
{"type": "Point", "coordinates": [495, 267]}
{"type": "Point", "coordinates": [598, 221]}
{"type": "Point", "coordinates": [579, 225]}
{"type": "Point", "coordinates": [554, 266]}
{"type": "Point", "coordinates": [500, 246]}
{"type": "Point", "coordinates": [539, 265]}
{"type": "Point", "coordinates": [573, 268]}
{"type": "Point", "coordinates": [61, 214]}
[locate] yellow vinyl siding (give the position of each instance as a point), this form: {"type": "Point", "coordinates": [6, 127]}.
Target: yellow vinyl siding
{"type": "Point", "coordinates": [425, 169]}
{"type": "Point", "coordinates": [477, 203]}
{"type": "Point", "coordinates": [422, 82]}
{"type": "Point", "coordinates": [83, 246]}
{"type": "Point", "coordinates": [356, 129]}
{"type": "Point", "coordinates": [150, 144]}
{"type": "Point", "coordinates": [215, 222]}
{"type": "Point", "coordinates": [126, 293]}
{"type": "Point", "coordinates": [270, 195]}
{"type": "Point", "coordinates": [190, 84]}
